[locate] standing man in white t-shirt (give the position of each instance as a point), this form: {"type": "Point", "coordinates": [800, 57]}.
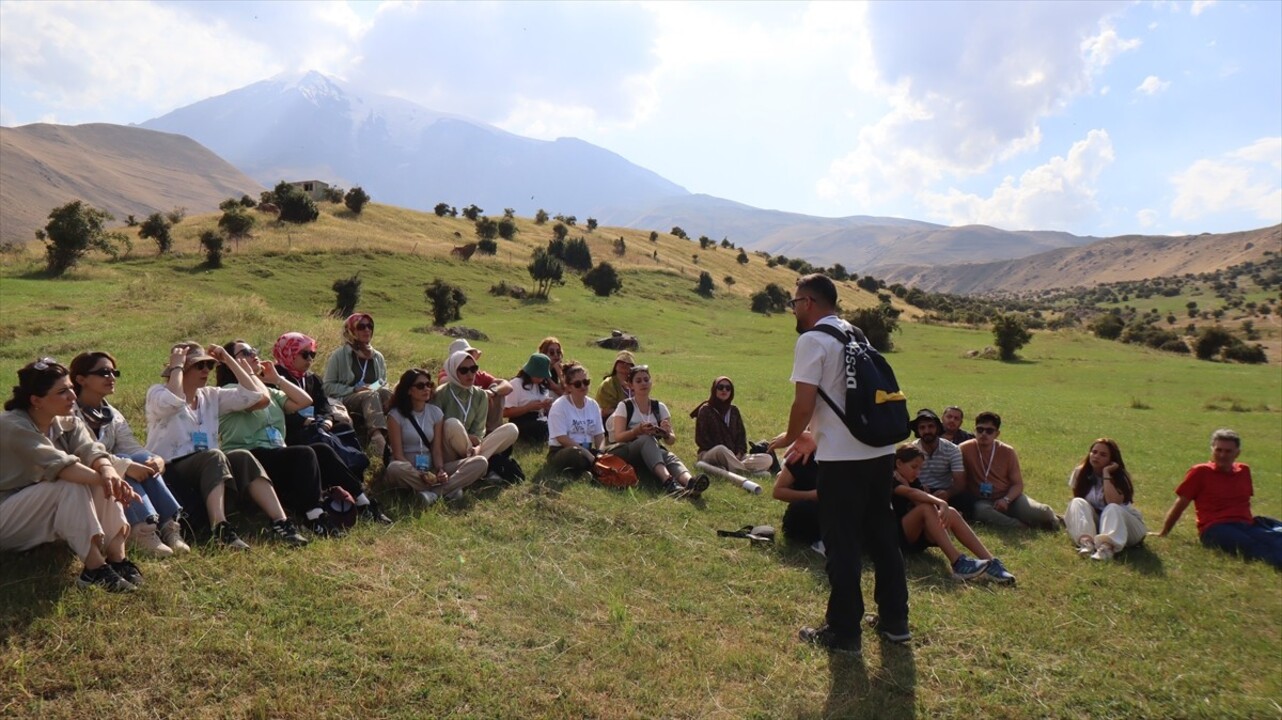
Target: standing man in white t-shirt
{"type": "Point", "coordinates": [855, 481]}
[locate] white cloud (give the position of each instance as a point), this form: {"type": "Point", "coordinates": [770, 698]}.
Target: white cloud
{"type": "Point", "coordinates": [1147, 217]}
{"type": "Point", "coordinates": [1199, 6]}
{"type": "Point", "coordinates": [1247, 179]}
{"type": "Point", "coordinates": [1102, 49]}
{"type": "Point", "coordinates": [1058, 194]}
{"type": "Point", "coordinates": [1153, 85]}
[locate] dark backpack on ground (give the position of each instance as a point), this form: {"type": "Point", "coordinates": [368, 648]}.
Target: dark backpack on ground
{"type": "Point", "coordinates": [876, 411]}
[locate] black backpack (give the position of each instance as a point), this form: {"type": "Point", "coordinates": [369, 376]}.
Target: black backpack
{"type": "Point", "coordinates": [630, 407]}
{"type": "Point", "coordinates": [876, 411]}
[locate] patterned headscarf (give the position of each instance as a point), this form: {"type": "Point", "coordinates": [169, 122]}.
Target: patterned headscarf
{"type": "Point", "coordinates": [287, 348]}
{"type": "Point", "coordinates": [452, 363]}
{"type": "Point", "coordinates": [349, 328]}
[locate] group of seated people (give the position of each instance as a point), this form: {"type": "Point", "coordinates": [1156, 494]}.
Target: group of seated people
{"type": "Point", "coordinates": [295, 443]}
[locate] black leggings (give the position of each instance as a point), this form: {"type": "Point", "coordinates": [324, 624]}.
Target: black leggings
{"type": "Point", "coordinates": [295, 473]}
{"type": "Point", "coordinates": [334, 472]}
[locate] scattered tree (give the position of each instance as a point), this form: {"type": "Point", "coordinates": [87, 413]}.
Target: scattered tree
{"type": "Point", "coordinates": [334, 195]}
{"type": "Point", "coordinates": [706, 242]}
{"type": "Point", "coordinates": [772, 298]}
{"type": "Point", "coordinates": [507, 228]}
{"type": "Point", "coordinates": [228, 204]}
{"type": "Point", "coordinates": [156, 227]}
{"type": "Point", "coordinates": [472, 212]}
{"type": "Point", "coordinates": [72, 231]}
{"type": "Point", "coordinates": [577, 255]}
{"type": "Point", "coordinates": [677, 231]}
{"type": "Point", "coordinates": [177, 215]}
{"type": "Point", "coordinates": [131, 221]}
{"type": "Point", "coordinates": [591, 224]}
{"type": "Point", "coordinates": [540, 217]}
{"type": "Point", "coordinates": [654, 236]}
{"type": "Point", "coordinates": [347, 295]}
{"type": "Point", "coordinates": [838, 272]}
{"type": "Point", "coordinates": [486, 229]}
{"type": "Point", "coordinates": [705, 287]}
{"type": "Point", "coordinates": [1210, 341]}
{"type": "Point", "coordinates": [620, 247]}
{"type": "Point", "coordinates": [212, 243]}
{"type": "Point", "coordinates": [441, 209]}
{"type": "Point", "coordinates": [237, 224]}
{"type": "Point", "coordinates": [487, 247]}
{"type": "Point", "coordinates": [1010, 334]}
{"type": "Point", "coordinates": [446, 300]}
{"type": "Point", "coordinates": [559, 231]}
{"type": "Point", "coordinates": [603, 279]}
{"type": "Point", "coordinates": [546, 270]}
{"type": "Point", "coordinates": [742, 258]}
{"type": "Point", "coordinates": [356, 199]}
{"type": "Point", "coordinates": [878, 323]}
{"type": "Point", "coordinates": [247, 202]}
{"type": "Point", "coordinates": [509, 213]}
{"type": "Point", "coordinates": [1108, 326]}
{"type": "Point", "coordinates": [295, 205]}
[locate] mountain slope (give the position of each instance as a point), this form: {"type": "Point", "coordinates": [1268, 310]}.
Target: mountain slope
{"type": "Point", "coordinates": [1127, 257]}
{"type": "Point", "coordinates": [124, 170]}
{"type": "Point", "coordinates": [311, 126]}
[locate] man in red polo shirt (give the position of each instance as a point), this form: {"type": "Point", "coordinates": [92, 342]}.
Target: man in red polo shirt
{"type": "Point", "coordinates": [1221, 493]}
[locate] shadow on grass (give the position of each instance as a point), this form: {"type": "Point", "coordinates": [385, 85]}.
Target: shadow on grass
{"type": "Point", "coordinates": [1142, 560]}
{"type": "Point", "coordinates": [34, 582]}
{"type": "Point", "coordinates": [888, 693]}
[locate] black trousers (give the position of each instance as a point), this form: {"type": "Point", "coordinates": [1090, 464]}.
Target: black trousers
{"type": "Point", "coordinates": [334, 471]}
{"type": "Point", "coordinates": [295, 474]}
{"type": "Point", "coordinates": [855, 515]}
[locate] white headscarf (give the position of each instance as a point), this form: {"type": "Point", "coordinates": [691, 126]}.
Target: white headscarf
{"type": "Point", "coordinates": [452, 365]}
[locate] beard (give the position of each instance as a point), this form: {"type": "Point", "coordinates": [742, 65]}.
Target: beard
{"type": "Point", "coordinates": [801, 326]}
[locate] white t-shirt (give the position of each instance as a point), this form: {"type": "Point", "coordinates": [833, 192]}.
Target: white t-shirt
{"type": "Point", "coordinates": [411, 443]}
{"type": "Point", "coordinates": [819, 359]}
{"type": "Point", "coordinates": [658, 412]}
{"type": "Point", "coordinates": [521, 396]}
{"type": "Point", "coordinates": [174, 429]}
{"type": "Point", "coordinates": [581, 425]}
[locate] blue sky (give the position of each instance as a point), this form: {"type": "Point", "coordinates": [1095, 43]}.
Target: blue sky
{"type": "Point", "coordinates": [1094, 118]}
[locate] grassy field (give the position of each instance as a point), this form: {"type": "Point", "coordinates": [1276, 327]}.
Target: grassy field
{"type": "Point", "coordinates": [560, 599]}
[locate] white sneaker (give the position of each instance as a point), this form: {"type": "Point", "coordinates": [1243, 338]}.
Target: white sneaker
{"type": "Point", "coordinates": [818, 546]}
{"type": "Point", "coordinates": [428, 496]}
{"type": "Point", "coordinates": [144, 537]}
{"type": "Point", "coordinates": [1085, 545]}
{"type": "Point", "coordinates": [172, 535]}
{"type": "Point", "coordinates": [1103, 551]}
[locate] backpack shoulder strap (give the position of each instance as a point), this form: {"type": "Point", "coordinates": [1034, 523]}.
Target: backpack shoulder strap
{"type": "Point", "coordinates": [630, 407]}
{"type": "Point", "coordinates": [845, 339]}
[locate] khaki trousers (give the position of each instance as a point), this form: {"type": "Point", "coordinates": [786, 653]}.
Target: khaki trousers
{"type": "Point", "coordinates": [60, 510]}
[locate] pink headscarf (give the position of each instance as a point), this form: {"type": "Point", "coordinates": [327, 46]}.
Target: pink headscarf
{"type": "Point", "coordinates": [349, 328]}
{"type": "Point", "coordinates": [287, 348]}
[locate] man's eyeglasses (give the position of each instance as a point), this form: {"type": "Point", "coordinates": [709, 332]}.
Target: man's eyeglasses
{"type": "Point", "coordinates": [246, 352]}
{"type": "Point", "coordinates": [307, 354]}
{"type": "Point", "coordinates": [105, 373]}
{"type": "Point", "coordinates": [792, 303]}
{"type": "Point", "coordinates": [467, 370]}
{"type": "Point", "coordinates": [421, 385]}
{"type": "Point", "coordinates": [985, 430]}
{"type": "Point", "coordinates": [724, 387]}
{"type": "Point", "coordinates": [581, 383]}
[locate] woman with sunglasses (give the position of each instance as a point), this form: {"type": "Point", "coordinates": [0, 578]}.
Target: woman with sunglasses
{"type": "Point", "coordinates": [59, 484]}
{"type": "Point", "coordinates": [720, 435]}
{"type": "Point", "coordinates": [465, 408]}
{"type": "Point", "coordinates": [1101, 518]}
{"type": "Point", "coordinates": [183, 418]}
{"type": "Point", "coordinates": [528, 403]}
{"type": "Point", "coordinates": [637, 426]}
{"type": "Point", "coordinates": [415, 435]}
{"type": "Point", "coordinates": [576, 434]}
{"type": "Point", "coordinates": [551, 347]}
{"type": "Point", "coordinates": [153, 520]}
{"type": "Point", "coordinates": [301, 473]}
{"type": "Point", "coordinates": [356, 376]}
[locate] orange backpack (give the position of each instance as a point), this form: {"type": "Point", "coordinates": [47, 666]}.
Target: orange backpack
{"type": "Point", "coordinates": [614, 471]}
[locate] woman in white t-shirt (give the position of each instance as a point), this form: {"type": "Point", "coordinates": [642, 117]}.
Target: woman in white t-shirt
{"type": "Point", "coordinates": [636, 427]}
{"type": "Point", "coordinates": [414, 435]}
{"type": "Point", "coordinates": [531, 398]}
{"type": "Point", "coordinates": [576, 433]}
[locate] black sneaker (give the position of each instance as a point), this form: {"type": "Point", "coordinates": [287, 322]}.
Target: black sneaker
{"type": "Point", "coordinates": [285, 530]}
{"type": "Point", "coordinates": [825, 637]}
{"type": "Point", "coordinates": [105, 578]}
{"type": "Point", "coordinates": [890, 632]}
{"type": "Point", "coordinates": [227, 537]}
{"type": "Point", "coordinates": [697, 485]}
{"type": "Point", "coordinates": [127, 571]}
{"type": "Point", "coordinates": [373, 513]}
{"type": "Point", "coordinates": [324, 527]}
{"type": "Point", "coordinates": [674, 489]}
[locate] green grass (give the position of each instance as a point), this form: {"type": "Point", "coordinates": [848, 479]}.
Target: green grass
{"type": "Point", "coordinates": [553, 599]}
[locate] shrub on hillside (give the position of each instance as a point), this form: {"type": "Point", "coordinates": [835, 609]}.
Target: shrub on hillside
{"type": "Point", "coordinates": [592, 224]}
{"type": "Point", "coordinates": [247, 202]}
{"type": "Point", "coordinates": [502, 289]}
{"type": "Point", "coordinates": [237, 224]}
{"type": "Point", "coordinates": [1108, 326]}
{"type": "Point", "coordinates": [578, 256]}
{"type": "Point", "coordinates": [540, 217]}
{"type": "Point", "coordinates": [294, 205]}
{"type": "Point", "coordinates": [72, 231]}
{"type": "Point", "coordinates": [706, 242]}
{"type": "Point", "coordinates": [705, 287]}
{"type": "Point", "coordinates": [559, 231]}
{"type": "Point", "coordinates": [1010, 333]}
{"type": "Point", "coordinates": [156, 227]}
{"type": "Point", "coordinates": [177, 215]}
{"type": "Point", "coordinates": [347, 295]}
{"type": "Point", "coordinates": [334, 195]}
{"type": "Point", "coordinates": [654, 236]}
{"type": "Point", "coordinates": [603, 280]}
{"type": "Point", "coordinates": [441, 209]}
{"type": "Point", "coordinates": [212, 243]}
{"type": "Point", "coordinates": [356, 199]}
{"type": "Point", "coordinates": [507, 228]}
{"type": "Point", "coordinates": [472, 212]}
{"type": "Point", "coordinates": [877, 323]}
{"type": "Point", "coordinates": [546, 270]}
{"type": "Point", "coordinates": [446, 301]}
{"type": "Point", "coordinates": [770, 299]}
{"type": "Point", "coordinates": [486, 228]}
{"type": "Point", "coordinates": [742, 259]}
{"type": "Point", "coordinates": [1210, 341]}
{"type": "Point", "coordinates": [1241, 352]}
{"type": "Point", "coordinates": [487, 247]}
{"type": "Point", "coordinates": [677, 231]}
{"type": "Point", "coordinates": [620, 247]}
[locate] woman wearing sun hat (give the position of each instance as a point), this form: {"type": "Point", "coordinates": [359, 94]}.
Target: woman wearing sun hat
{"type": "Point", "coordinates": [528, 404]}
{"type": "Point", "coordinates": [614, 387]}
{"type": "Point", "coordinates": [719, 433]}
{"type": "Point", "coordinates": [356, 376]}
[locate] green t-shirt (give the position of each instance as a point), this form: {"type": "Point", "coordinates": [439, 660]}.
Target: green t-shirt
{"type": "Point", "coordinates": [250, 429]}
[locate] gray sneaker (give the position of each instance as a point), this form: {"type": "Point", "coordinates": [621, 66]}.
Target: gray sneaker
{"type": "Point", "coordinates": [428, 497]}
{"type": "Point", "coordinates": [998, 573]}
{"type": "Point", "coordinates": [172, 535]}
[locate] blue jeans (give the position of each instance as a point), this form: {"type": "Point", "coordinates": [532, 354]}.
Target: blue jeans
{"type": "Point", "coordinates": [158, 504]}
{"type": "Point", "coordinates": [1261, 540]}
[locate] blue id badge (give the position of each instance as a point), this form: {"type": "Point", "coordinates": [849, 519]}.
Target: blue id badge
{"type": "Point", "coordinates": [199, 441]}
{"type": "Point", "coordinates": [986, 489]}
{"type": "Point", "coordinates": [274, 436]}
{"type": "Point", "coordinates": [307, 412]}
{"type": "Point", "coordinates": [420, 462]}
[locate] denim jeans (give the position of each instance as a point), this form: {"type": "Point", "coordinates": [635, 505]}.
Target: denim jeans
{"type": "Point", "coordinates": [1261, 540]}
{"type": "Point", "coordinates": [157, 502]}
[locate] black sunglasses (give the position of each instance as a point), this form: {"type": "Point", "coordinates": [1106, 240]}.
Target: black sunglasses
{"type": "Point", "coordinates": [246, 351]}
{"type": "Point", "coordinates": [104, 372]}
{"type": "Point", "coordinates": [467, 370]}
{"type": "Point", "coordinates": [985, 431]}
{"type": "Point", "coordinates": [204, 365]}
{"type": "Point", "coordinates": [307, 354]}
{"type": "Point", "coordinates": [581, 383]}
{"type": "Point", "coordinates": [364, 326]}
{"type": "Point", "coordinates": [422, 385]}
{"type": "Point", "coordinates": [723, 386]}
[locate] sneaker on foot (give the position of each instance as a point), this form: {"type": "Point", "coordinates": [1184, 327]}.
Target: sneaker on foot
{"type": "Point", "coordinates": [1103, 551]}
{"type": "Point", "coordinates": [1085, 545]}
{"type": "Point", "coordinates": [818, 546]}
{"type": "Point", "coordinates": [227, 537]}
{"type": "Point", "coordinates": [145, 537]}
{"type": "Point", "coordinates": [697, 485]}
{"type": "Point", "coordinates": [285, 530]}
{"type": "Point", "coordinates": [428, 497]}
{"type": "Point", "coordinates": [895, 633]}
{"type": "Point", "coordinates": [323, 526]}
{"type": "Point", "coordinates": [455, 495]}
{"type": "Point", "coordinates": [373, 512]}
{"type": "Point", "coordinates": [171, 533]}
{"type": "Point", "coordinates": [965, 568]}
{"type": "Point", "coordinates": [825, 637]}
{"type": "Point", "coordinates": [127, 571]}
{"type": "Point", "coordinates": [105, 578]}
{"type": "Point", "coordinates": [672, 488]}
{"type": "Point", "coordinates": [998, 573]}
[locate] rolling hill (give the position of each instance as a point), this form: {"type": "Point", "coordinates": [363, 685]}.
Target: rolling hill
{"type": "Point", "coordinates": [124, 170]}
